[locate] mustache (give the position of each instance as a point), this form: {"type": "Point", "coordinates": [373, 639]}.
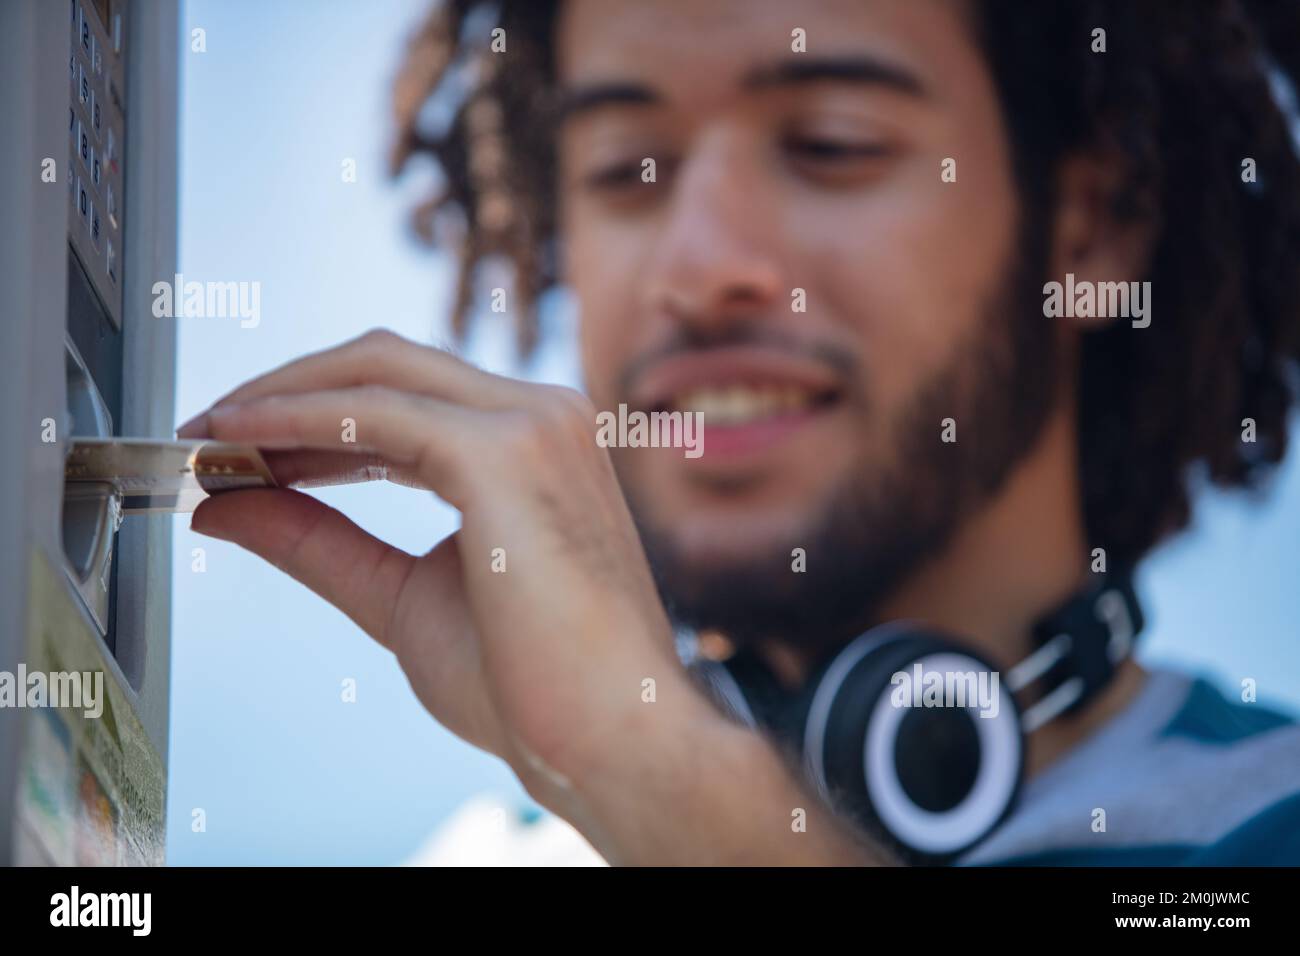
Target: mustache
{"type": "Point", "coordinates": [685, 341]}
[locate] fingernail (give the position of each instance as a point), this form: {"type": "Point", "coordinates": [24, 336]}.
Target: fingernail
{"type": "Point", "coordinates": [199, 524]}
{"type": "Point", "coordinates": [196, 427]}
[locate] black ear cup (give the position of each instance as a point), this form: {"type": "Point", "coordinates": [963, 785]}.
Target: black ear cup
{"type": "Point", "coordinates": [915, 738]}
{"type": "Point", "coordinates": [903, 730]}
{"type": "Point", "coordinates": [746, 689]}
{"type": "Point", "coordinates": [771, 704]}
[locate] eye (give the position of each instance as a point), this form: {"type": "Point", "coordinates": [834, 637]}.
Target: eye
{"type": "Point", "coordinates": [614, 176]}
{"type": "Point", "coordinates": [827, 149]}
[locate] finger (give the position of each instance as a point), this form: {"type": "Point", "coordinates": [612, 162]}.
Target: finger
{"type": "Point", "coordinates": [430, 437]}
{"type": "Point", "coordinates": [316, 545]}
{"type": "Point", "coordinates": [310, 468]}
{"type": "Point", "coordinates": [381, 358]}
{"type": "Point", "coordinates": [368, 580]}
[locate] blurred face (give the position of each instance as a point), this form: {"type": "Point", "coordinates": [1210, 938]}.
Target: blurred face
{"type": "Point", "coordinates": [799, 272]}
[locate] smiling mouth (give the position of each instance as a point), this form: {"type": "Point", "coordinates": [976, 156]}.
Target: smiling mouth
{"type": "Point", "coordinates": [736, 405]}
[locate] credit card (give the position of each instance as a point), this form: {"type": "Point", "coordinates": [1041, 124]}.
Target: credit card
{"type": "Point", "coordinates": [153, 475]}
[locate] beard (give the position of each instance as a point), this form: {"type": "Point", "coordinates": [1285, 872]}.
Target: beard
{"type": "Point", "coordinates": [888, 517]}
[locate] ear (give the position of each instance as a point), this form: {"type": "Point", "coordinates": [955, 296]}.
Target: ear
{"type": "Point", "coordinates": [1090, 238]}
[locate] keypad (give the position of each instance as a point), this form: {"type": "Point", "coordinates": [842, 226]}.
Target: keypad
{"type": "Point", "coordinates": [97, 127]}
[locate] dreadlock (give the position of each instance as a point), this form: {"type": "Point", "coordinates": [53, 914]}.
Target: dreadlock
{"type": "Point", "coordinates": [1182, 96]}
{"type": "Point", "coordinates": [490, 204]}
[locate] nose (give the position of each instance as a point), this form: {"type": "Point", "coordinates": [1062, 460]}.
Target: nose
{"type": "Point", "coordinates": [716, 258]}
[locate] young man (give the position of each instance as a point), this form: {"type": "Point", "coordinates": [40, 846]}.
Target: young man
{"type": "Point", "coordinates": [833, 230]}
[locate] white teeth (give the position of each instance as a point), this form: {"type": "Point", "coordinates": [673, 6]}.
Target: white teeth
{"type": "Point", "coordinates": [739, 404]}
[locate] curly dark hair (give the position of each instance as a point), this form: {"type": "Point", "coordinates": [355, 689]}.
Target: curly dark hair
{"type": "Point", "coordinates": [1184, 93]}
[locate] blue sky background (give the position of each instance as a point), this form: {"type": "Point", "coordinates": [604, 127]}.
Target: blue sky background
{"type": "Point", "coordinates": [260, 738]}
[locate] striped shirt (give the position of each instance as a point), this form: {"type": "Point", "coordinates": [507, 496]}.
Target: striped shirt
{"type": "Point", "coordinates": [1183, 776]}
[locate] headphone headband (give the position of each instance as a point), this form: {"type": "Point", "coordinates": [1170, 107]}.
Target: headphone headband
{"type": "Point", "coordinates": [1079, 645]}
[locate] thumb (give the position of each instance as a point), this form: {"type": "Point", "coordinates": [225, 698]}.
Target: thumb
{"type": "Point", "coordinates": [316, 545]}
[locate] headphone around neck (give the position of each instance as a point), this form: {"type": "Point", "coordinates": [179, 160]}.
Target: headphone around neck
{"type": "Point", "coordinates": [917, 738]}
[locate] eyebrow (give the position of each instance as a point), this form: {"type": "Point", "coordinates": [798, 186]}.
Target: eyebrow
{"type": "Point", "coordinates": [573, 102]}
{"type": "Point", "coordinates": [795, 71]}
{"type": "Point", "coordinates": [858, 68]}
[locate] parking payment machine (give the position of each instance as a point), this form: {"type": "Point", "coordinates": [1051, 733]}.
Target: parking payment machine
{"type": "Point", "coordinates": [88, 96]}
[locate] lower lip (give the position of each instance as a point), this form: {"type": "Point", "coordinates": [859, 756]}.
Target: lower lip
{"type": "Point", "coordinates": [751, 438]}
